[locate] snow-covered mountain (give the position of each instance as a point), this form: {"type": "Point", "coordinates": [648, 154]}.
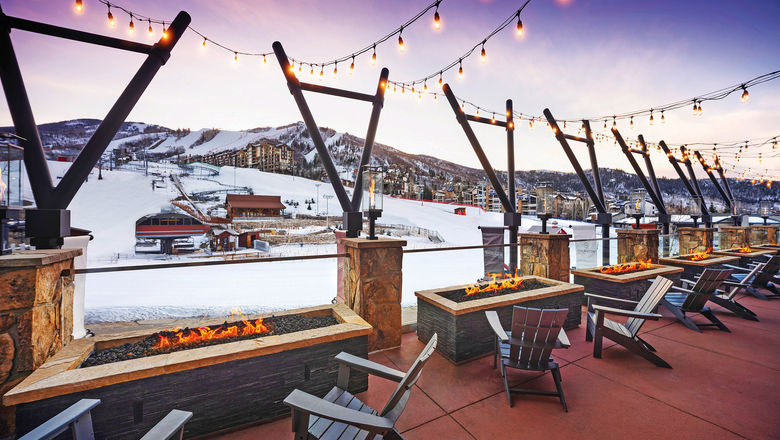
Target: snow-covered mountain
{"type": "Point", "coordinates": [68, 137]}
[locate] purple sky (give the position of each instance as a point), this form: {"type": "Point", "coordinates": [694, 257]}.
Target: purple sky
{"type": "Point", "coordinates": [578, 58]}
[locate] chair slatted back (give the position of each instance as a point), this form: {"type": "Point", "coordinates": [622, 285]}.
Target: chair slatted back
{"type": "Point", "coordinates": [768, 272]}
{"type": "Point", "coordinates": [397, 402]}
{"type": "Point", "coordinates": [648, 303]}
{"type": "Point", "coordinates": [705, 287]}
{"type": "Point", "coordinates": [534, 333]}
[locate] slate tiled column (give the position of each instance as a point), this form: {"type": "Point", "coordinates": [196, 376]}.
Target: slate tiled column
{"type": "Point", "coordinates": [545, 255]}
{"type": "Point", "coordinates": [734, 237]}
{"type": "Point", "coordinates": [763, 234]}
{"type": "Point", "coordinates": [694, 240]}
{"type": "Point", "coordinates": [637, 244]}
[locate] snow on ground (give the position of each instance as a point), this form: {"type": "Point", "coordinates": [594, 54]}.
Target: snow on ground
{"type": "Point", "coordinates": [110, 207]}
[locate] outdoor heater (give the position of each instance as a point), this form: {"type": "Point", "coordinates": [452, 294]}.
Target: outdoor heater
{"type": "Point", "coordinates": [373, 187]}
{"type": "Point", "coordinates": [10, 190]}
{"type": "Point", "coordinates": [694, 209]}
{"type": "Point", "coordinates": [765, 209]}
{"type": "Point", "coordinates": [636, 205]}
{"type": "Point", "coordinates": [544, 209]}
{"type": "Point", "coordinates": [736, 211]}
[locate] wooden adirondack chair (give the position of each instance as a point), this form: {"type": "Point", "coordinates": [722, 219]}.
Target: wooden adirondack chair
{"type": "Point", "coordinates": [340, 415]}
{"type": "Point", "coordinates": [534, 334]}
{"type": "Point", "coordinates": [77, 419]}
{"type": "Point", "coordinates": [727, 300]}
{"type": "Point", "coordinates": [626, 334]}
{"type": "Point", "coordinates": [681, 301]}
{"type": "Point", "coordinates": [750, 280]}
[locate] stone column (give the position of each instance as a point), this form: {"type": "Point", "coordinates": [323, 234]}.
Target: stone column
{"type": "Point", "coordinates": [637, 244]}
{"type": "Point", "coordinates": [734, 237]}
{"type": "Point", "coordinates": [695, 239]}
{"type": "Point", "coordinates": [763, 234]}
{"type": "Point", "coordinates": [545, 255]}
{"type": "Point", "coordinates": [372, 286]}
{"type": "Point", "coordinates": [36, 316]}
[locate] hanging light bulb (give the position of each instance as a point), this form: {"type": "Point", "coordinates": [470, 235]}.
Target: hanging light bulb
{"type": "Point", "coordinates": [412, 87]}
{"type": "Point", "coordinates": [425, 85]}
{"type": "Point", "coordinates": [265, 60]}
{"type": "Point", "coordinates": [204, 45]}
{"type": "Point", "coordinates": [651, 117]}
{"type": "Point", "coordinates": [401, 45]}
{"type": "Point", "coordinates": [605, 124]}
{"type": "Point", "coordinates": [483, 55]}
{"type": "Point", "coordinates": [695, 108]}
{"type": "Point", "coordinates": [632, 122]}
{"type": "Point", "coordinates": [419, 96]}
{"type": "Point", "coordinates": [336, 70]}
{"type": "Point", "coordinates": [435, 96]}
{"type": "Point", "coordinates": [235, 57]}
{"type": "Point", "coordinates": [322, 71]}
{"type": "Point", "coordinates": [151, 31]}
{"type": "Point", "coordinates": [531, 124]}
{"type": "Point", "coordinates": [403, 89]}
{"type": "Point", "coordinates": [300, 66]}
{"type": "Point", "coordinates": [463, 106]}
{"type": "Point", "coordinates": [493, 119]}
{"type": "Point", "coordinates": [373, 57]}
{"type": "Point", "coordinates": [436, 18]}
{"type": "Point", "coordinates": [292, 66]}
{"type": "Point", "coordinates": [352, 66]}
{"type": "Point", "coordinates": [440, 81]}
{"type": "Point", "coordinates": [663, 119]}
{"type": "Point", "coordinates": [519, 25]}
{"type": "Point", "coordinates": [614, 122]}
{"type": "Point", "coordinates": [460, 68]}
{"type": "Point", "coordinates": [164, 32]}
{"type": "Point", "coordinates": [394, 88]}
{"type": "Point", "coordinates": [79, 6]}
{"type": "Point", "coordinates": [132, 25]}
{"type": "Point", "coordinates": [745, 95]}
{"type": "Point", "coordinates": [111, 20]}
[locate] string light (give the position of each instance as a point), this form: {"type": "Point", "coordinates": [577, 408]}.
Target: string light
{"type": "Point", "coordinates": [436, 18]}
{"type": "Point", "coordinates": [79, 6]}
{"type": "Point", "coordinates": [651, 117]}
{"type": "Point", "coordinates": [519, 25]}
{"type": "Point", "coordinates": [265, 61]}
{"type": "Point", "coordinates": [336, 70]}
{"type": "Point", "coordinates": [460, 69]}
{"type": "Point", "coordinates": [111, 20]}
{"type": "Point", "coordinates": [235, 57]}
{"type": "Point", "coordinates": [483, 55]}
{"type": "Point", "coordinates": [632, 122]}
{"type": "Point", "coordinates": [352, 66]}
{"type": "Point", "coordinates": [164, 31]}
{"type": "Point", "coordinates": [440, 80]}
{"type": "Point", "coordinates": [663, 119]}
{"type": "Point", "coordinates": [204, 43]}
{"type": "Point", "coordinates": [151, 31]}
{"type": "Point", "coordinates": [373, 57]}
{"type": "Point", "coordinates": [132, 25]}
{"type": "Point", "coordinates": [401, 39]}
{"type": "Point", "coordinates": [745, 95]}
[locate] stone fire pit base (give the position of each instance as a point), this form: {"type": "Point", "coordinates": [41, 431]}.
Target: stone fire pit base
{"type": "Point", "coordinates": [223, 385]}
{"type": "Point", "coordinates": [630, 285]}
{"type": "Point", "coordinates": [692, 269]}
{"type": "Point", "coordinates": [462, 328]}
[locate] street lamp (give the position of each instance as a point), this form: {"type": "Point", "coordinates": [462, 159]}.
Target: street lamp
{"type": "Point", "coordinates": [736, 211]}
{"type": "Point", "coordinates": [373, 187]}
{"type": "Point", "coordinates": [694, 209]}
{"type": "Point", "coordinates": [327, 198]}
{"type": "Point", "coordinates": [544, 210]}
{"type": "Point", "coordinates": [10, 190]}
{"type": "Point", "coordinates": [765, 209]}
{"type": "Point", "coordinates": [636, 205]}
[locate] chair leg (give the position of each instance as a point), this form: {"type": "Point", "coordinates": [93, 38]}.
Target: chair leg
{"type": "Point", "coordinates": [495, 353]}
{"type": "Point", "coordinates": [588, 330]}
{"type": "Point", "coordinates": [735, 307]}
{"type": "Point", "coordinates": [556, 374]}
{"type": "Point", "coordinates": [646, 344]}
{"type": "Point", "coordinates": [680, 315]}
{"type": "Point", "coordinates": [597, 339]}
{"type": "Point", "coordinates": [506, 384]}
{"type": "Point", "coordinates": [772, 288]}
{"type": "Point", "coordinates": [649, 355]}
{"type": "Point", "coordinates": [707, 313]}
{"type": "Point", "coordinates": [753, 291]}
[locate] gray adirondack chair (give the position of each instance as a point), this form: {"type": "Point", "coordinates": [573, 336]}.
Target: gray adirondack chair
{"type": "Point", "coordinates": [78, 419]}
{"type": "Point", "coordinates": [528, 345]}
{"type": "Point", "coordinates": [626, 334]}
{"type": "Point", "coordinates": [681, 301]}
{"type": "Point", "coordinates": [340, 415]}
{"type": "Point", "coordinates": [750, 280]}
{"type": "Point", "coordinates": [728, 300]}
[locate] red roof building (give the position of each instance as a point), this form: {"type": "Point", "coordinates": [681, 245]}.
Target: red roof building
{"type": "Point", "coordinates": [241, 206]}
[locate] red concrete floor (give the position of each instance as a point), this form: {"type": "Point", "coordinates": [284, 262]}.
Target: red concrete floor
{"type": "Point", "coordinates": [722, 386]}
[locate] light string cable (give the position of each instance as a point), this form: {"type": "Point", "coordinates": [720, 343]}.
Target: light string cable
{"type": "Point", "coordinates": [459, 61]}
{"type": "Point", "coordinates": [144, 19]}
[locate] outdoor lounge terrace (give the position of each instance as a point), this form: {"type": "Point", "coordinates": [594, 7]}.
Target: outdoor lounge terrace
{"type": "Point", "coordinates": [722, 386]}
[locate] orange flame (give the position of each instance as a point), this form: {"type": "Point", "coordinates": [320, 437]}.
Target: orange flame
{"type": "Point", "coordinates": [211, 333]}
{"type": "Point", "coordinates": [744, 250]}
{"type": "Point", "coordinates": [701, 255]}
{"type": "Point", "coordinates": [498, 282]}
{"type": "Point", "coordinates": [626, 267]}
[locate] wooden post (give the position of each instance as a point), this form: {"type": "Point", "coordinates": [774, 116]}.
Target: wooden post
{"type": "Point", "coordinates": [372, 286]}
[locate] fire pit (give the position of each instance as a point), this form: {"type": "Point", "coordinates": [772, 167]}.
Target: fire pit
{"type": "Point", "coordinates": [623, 281]}
{"type": "Point", "coordinates": [769, 247]}
{"type": "Point", "coordinates": [226, 381]}
{"type": "Point", "coordinates": [456, 313]}
{"type": "Point", "coordinates": [694, 264]}
{"type": "Point", "coordinates": [745, 254]}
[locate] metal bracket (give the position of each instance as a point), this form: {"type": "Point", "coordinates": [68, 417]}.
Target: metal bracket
{"type": "Point", "coordinates": [353, 222]}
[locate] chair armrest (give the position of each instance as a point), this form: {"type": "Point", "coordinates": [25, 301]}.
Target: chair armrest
{"type": "Point", "coordinates": [628, 313]}
{"type": "Point", "coordinates": [597, 297]}
{"type": "Point", "coordinates": [563, 340]}
{"type": "Point", "coordinates": [495, 324]}
{"type": "Point", "coordinates": [309, 404]}
{"type": "Point", "coordinates": [61, 422]}
{"type": "Point", "coordinates": [370, 367]}
{"type": "Point", "coordinates": [737, 268]}
{"type": "Point", "coordinates": [681, 289]}
{"type": "Point", "coordinates": [169, 426]}
{"type": "Point", "coordinates": [691, 282]}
